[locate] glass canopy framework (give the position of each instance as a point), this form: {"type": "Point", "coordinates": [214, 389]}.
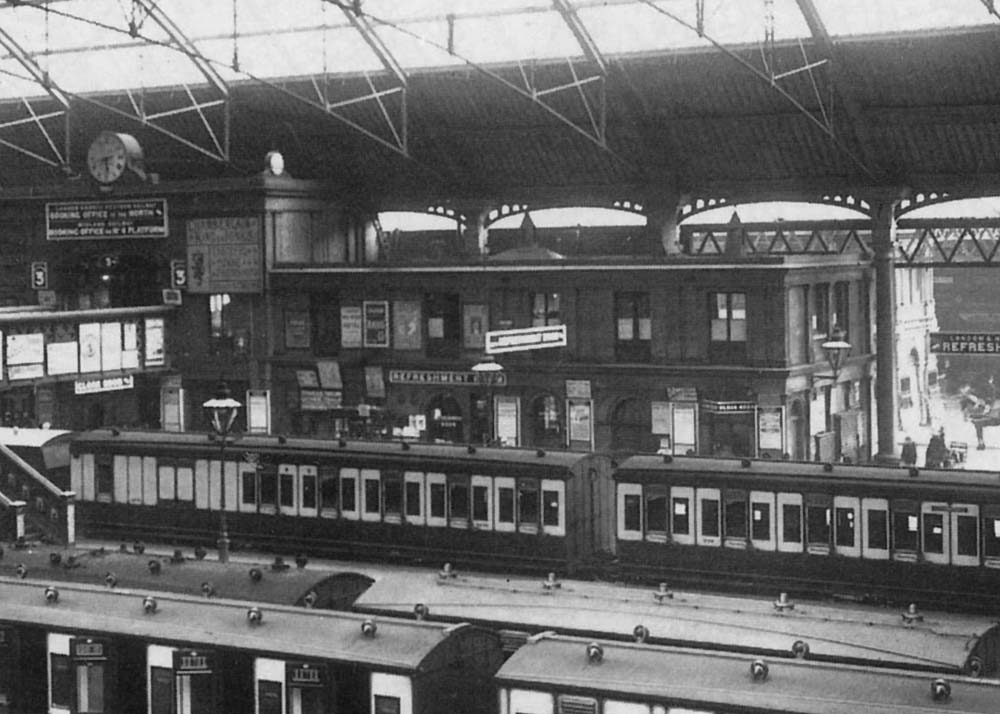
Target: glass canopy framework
{"type": "Point", "coordinates": [120, 56]}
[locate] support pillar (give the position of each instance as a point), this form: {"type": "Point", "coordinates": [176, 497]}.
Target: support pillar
{"type": "Point", "coordinates": [475, 234]}
{"type": "Point", "coordinates": [884, 244]}
{"type": "Point", "coordinates": [663, 222]}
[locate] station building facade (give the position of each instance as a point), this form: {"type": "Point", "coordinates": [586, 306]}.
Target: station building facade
{"type": "Point", "coordinates": [323, 325]}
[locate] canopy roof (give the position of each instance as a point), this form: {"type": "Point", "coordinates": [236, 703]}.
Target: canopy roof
{"type": "Point", "coordinates": [549, 100]}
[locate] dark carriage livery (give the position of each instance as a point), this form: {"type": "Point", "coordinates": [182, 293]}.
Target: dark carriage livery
{"type": "Point", "coordinates": [880, 532]}
{"type": "Point", "coordinates": [74, 648]}
{"type": "Point", "coordinates": [489, 507]}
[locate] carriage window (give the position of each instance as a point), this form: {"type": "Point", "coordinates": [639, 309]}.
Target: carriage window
{"type": "Point", "coordinates": [760, 521]}
{"type": "Point", "coordinates": [349, 493]}
{"type": "Point", "coordinates": [527, 502]}
{"type": "Point", "coordinates": [413, 498]}
{"type": "Point", "coordinates": [287, 490]}
{"type": "Point", "coordinates": [681, 516]}
{"type": "Point", "coordinates": [249, 488]}
{"type": "Point", "coordinates": [933, 533]}
{"type": "Point", "coordinates": [459, 499]}
{"type": "Point", "coordinates": [845, 526]}
{"type": "Point", "coordinates": [308, 490]}
{"type": "Point", "coordinates": [161, 688]}
{"type": "Point", "coordinates": [373, 495]}
{"type": "Point", "coordinates": [90, 687]}
{"type": "Point", "coordinates": [62, 681]}
{"type": "Point", "coordinates": [269, 487]}
{"type": "Point", "coordinates": [633, 512]}
{"type": "Point", "coordinates": [905, 530]}
{"type": "Point", "coordinates": [328, 488]}
{"type": "Point", "coordinates": [480, 503]}
{"type": "Point", "coordinates": [305, 700]}
{"type": "Point", "coordinates": [818, 524]}
{"type": "Point", "coordinates": [393, 494]}
{"type": "Point", "coordinates": [968, 535]}
{"type": "Point", "coordinates": [437, 509]}
{"type": "Point", "coordinates": [991, 536]}
{"type": "Point", "coordinates": [656, 510]}
{"type": "Point", "coordinates": [736, 518]}
{"type": "Point", "coordinates": [550, 508]}
{"type": "Point", "coordinates": [710, 517]}
{"type": "Point", "coordinates": [268, 697]}
{"type": "Point", "coordinates": [878, 533]}
{"type": "Point", "coordinates": [104, 481]}
{"type": "Point", "coordinates": [505, 505]}
{"type": "Point", "coordinates": [791, 525]}
{"type": "Point", "coordinates": [386, 705]}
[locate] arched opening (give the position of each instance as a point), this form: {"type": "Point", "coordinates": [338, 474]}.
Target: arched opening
{"type": "Point", "coordinates": [444, 419]}
{"type": "Point", "coordinates": [546, 423]}
{"type": "Point", "coordinates": [631, 427]}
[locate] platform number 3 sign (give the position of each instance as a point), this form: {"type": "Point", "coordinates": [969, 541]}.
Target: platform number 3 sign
{"type": "Point", "coordinates": [178, 274]}
{"type": "Point", "coordinates": [40, 275]}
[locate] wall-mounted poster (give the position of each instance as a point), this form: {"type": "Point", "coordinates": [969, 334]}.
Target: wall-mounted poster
{"type": "Point", "coordinates": [406, 334]}
{"type": "Point", "coordinates": [770, 429]}
{"type": "Point", "coordinates": [297, 330]}
{"type": "Point", "coordinates": [329, 374]}
{"type": "Point", "coordinates": [111, 346]}
{"type": "Point", "coordinates": [350, 326]}
{"type": "Point", "coordinates": [130, 345]}
{"type": "Point", "coordinates": [25, 349]}
{"type": "Point", "coordinates": [376, 315]}
{"type": "Point", "coordinates": [374, 382]}
{"type": "Point", "coordinates": [90, 347]}
{"type": "Point", "coordinates": [474, 324]}
{"type": "Point", "coordinates": [258, 411]}
{"type": "Point", "coordinates": [580, 430]}
{"type": "Point", "coordinates": [63, 357]}
{"type": "Point", "coordinates": [224, 255]}
{"type": "Point", "coordinates": [154, 355]}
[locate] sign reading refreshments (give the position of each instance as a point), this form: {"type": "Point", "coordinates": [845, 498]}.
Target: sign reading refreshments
{"type": "Point", "coordinates": [965, 343]}
{"type": "Point", "coordinates": [433, 376]}
{"type": "Point", "coordinates": [141, 218]}
{"type": "Point", "coordinates": [528, 338]}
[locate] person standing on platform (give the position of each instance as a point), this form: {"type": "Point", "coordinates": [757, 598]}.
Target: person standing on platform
{"type": "Point", "coordinates": [908, 455]}
{"type": "Point", "coordinates": [937, 451]}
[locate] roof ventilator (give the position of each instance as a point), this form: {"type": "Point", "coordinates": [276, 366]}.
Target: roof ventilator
{"type": "Point", "coordinates": [640, 633]}
{"type": "Point", "coordinates": [421, 611]}
{"type": "Point", "coordinates": [758, 670]}
{"type": "Point", "coordinates": [51, 595]}
{"type": "Point", "coordinates": [149, 605]}
{"type": "Point", "coordinates": [255, 616]}
{"type": "Point", "coordinates": [940, 690]}
{"type": "Point", "coordinates": [912, 614]}
{"type": "Point", "coordinates": [446, 572]}
{"type": "Point", "coordinates": [663, 593]}
{"type": "Point", "coordinates": [369, 628]}
{"type": "Point", "coordinates": [595, 653]}
{"type": "Point", "coordinates": [783, 603]}
{"type": "Point", "coordinates": [551, 583]}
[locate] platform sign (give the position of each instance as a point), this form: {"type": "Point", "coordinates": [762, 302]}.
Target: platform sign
{"type": "Point", "coordinates": [965, 343]}
{"type": "Point", "coordinates": [140, 218]}
{"type": "Point", "coordinates": [528, 338]}
{"type": "Point", "coordinates": [40, 275]}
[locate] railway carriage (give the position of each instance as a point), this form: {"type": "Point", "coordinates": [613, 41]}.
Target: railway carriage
{"type": "Point", "coordinates": [561, 675]}
{"type": "Point", "coordinates": [880, 532]}
{"type": "Point", "coordinates": [495, 507]}
{"type": "Point", "coordinates": [74, 648]}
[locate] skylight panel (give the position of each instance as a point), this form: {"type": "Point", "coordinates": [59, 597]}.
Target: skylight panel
{"type": "Point", "coordinates": [865, 17]}
{"type": "Point", "coordinates": [126, 67]}
{"type": "Point", "coordinates": [512, 37]}
{"type": "Point", "coordinates": [418, 44]}
{"type": "Point", "coordinates": [13, 82]}
{"type": "Point", "coordinates": [423, 9]}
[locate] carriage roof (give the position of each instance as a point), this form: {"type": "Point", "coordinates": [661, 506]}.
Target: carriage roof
{"type": "Point", "coordinates": [295, 633]}
{"type": "Point", "coordinates": [833, 632]}
{"type": "Point", "coordinates": [185, 443]}
{"type": "Point", "coordinates": [716, 679]}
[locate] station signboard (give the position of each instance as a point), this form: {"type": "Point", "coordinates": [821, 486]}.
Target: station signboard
{"type": "Point", "coordinates": [965, 343]}
{"type": "Point", "coordinates": [528, 338]}
{"type": "Point", "coordinates": [140, 218]}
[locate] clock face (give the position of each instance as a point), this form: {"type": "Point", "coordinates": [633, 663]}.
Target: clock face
{"type": "Point", "coordinates": [107, 157]}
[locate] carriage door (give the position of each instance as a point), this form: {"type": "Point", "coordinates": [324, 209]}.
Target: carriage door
{"type": "Point", "coordinates": [93, 675]}
{"type": "Point", "coordinates": [847, 525]}
{"type": "Point", "coordinates": [181, 681]}
{"type": "Point", "coordinates": [762, 521]}
{"type": "Point", "coordinates": [964, 534]}
{"type": "Point", "coordinates": [936, 532]}
{"type": "Point", "coordinates": [308, 491]}
{"type": "Point", "coordinates": [708, 517]}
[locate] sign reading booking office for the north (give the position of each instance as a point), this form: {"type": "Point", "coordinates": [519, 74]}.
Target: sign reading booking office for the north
{"type": "Point", "coordinates": [140, 218]}
{"type": "Point", "coordinates": [965, 343]}
{"type": "Point", "coordinates": [528, 338]}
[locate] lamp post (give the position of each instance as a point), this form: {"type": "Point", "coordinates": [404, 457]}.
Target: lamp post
{"type": "Point", "coordinates": [221, 411]}
{"type": "Point", "coordinates": [488, 373]}
{"type": "Point", "coordinates": [836, 350]}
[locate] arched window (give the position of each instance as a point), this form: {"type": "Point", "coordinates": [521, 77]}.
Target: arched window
{"type": "Point", "coordinates": [546, 425]}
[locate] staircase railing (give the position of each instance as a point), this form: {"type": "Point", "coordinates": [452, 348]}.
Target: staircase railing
{"type": "Point", "coordinates": [52, 510]}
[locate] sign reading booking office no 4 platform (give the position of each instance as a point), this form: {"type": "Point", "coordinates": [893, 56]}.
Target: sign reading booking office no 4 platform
{"type": "Point", "coordinates": [140, 218]}
{"type": "Point", "coordinates": [224, 255]}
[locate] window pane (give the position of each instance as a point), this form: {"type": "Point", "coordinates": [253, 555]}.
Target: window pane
{"type": "Point", "coordinates": [250, 488]}
{"type": "Point", "coordinates": [633, 512]}
{"type": "Point", "coordinates": [90, 688]}
{"type": "Point", "coordinates": [818, 524]}
{"type": "Point", "coordinates": [329, 492]}
{"type": "Point", "coordinates": [968, 535]}
{"type": "Point", "coordinates": [791, 523]}
{"type": "Point", "coordinates": [287, 490]}
{"type": "Point", "coordinates": [527, 499]}
{"type": "Point", "coordinates": [720, 332]}
{"type": "Point", "coordinates": [681, 516]}
{"type": "Point", "coordinates": [645, 328]}
{"type": "Point", "coordinates": [459, 499]}
{"type": "Point", "coordinates": [437, 500]}
{"type": "Point", "coordinates": [348, 494]}
{"type": "Point", "coordinates": [413, 498]}
{"type": "Point", "coordinates": [721, 306]}
{"type": "Point", "coordinates": [550, 508]}
{"type": "Point", "coordinates": [161, 690]}
{"type": "Point", "coordinates": [933, 533]}
{"type": "Point", "coordinates": [710, 518]}
{"type": "Point", "coordinates": [62, 681]}
{"type": "Point", "coordinates": [904, 531]}
{"type": "Point", "coordinates": [738, 306]}
{"type": "Point", "coordinates": [878, 532]}
{"type": "Point", "coordinates": [991, 537]}
{"type": "Point", "coordinates": [505, 505]}
{"type": "Point", "coordinates": [373, 492]}
{"type": "Point", "coordinates": [386, 705]}
{"type": "Point", "coordinates": [393, 496]}
{"type": "Point", "coordinates": [625, 329]}
{"type": "Point", "coordinates": [738, 331]}
{"type": "Point", "coordinates": [269, 488]}
{"type": "Point", "coordinates": [480, 503]}
{"type": "Point", "coordinates": [845, 526]}
{"type": "Point", "coordinates": [736, 519]}
{"type": "Point", "coordinates": [656, 511]}
{"type": "Point", "coordinates": [760, 524]}
{"type": "Point", "coordinates": [308, 491]}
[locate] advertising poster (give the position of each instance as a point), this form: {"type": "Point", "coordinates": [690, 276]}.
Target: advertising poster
{"type": "Point", "coordinates": [63, 357]}
{"type": "Point", "coordinates": [374, 382]}
{"type": "Point", "coordinates": [258, 411]}
{"type": "Point", "coordinates": [297, 330]}
{"type": "Point", "coordinates": [506, 420]}
{"type": "Point", "coordinates": [769, 429]}
{"type": "Point", "coordinates": [406, 325]}
{"type": "Point", "coordinates": [474, 324]}
{"type": "Point", "coordinates": [130, 345]}
{"type": "Point", "coordinates": [25, 349]}
{"type": "Point", "coordinates": [661, 417]}
{"type": "Point", "coordinates": [350, 326]}
{"type": "Point", "coordinates": [224, 255]}
{"type": "Point", "coordinates": [111, 346]}
{"type": "Point", "coordinates": [329, 374]}
{"type": "Point", "coordinates": [580, 430]}
{"type": "Point", "coordinates": [154, 355]}
{"type": "Point", "coordinates": [376, 315]}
